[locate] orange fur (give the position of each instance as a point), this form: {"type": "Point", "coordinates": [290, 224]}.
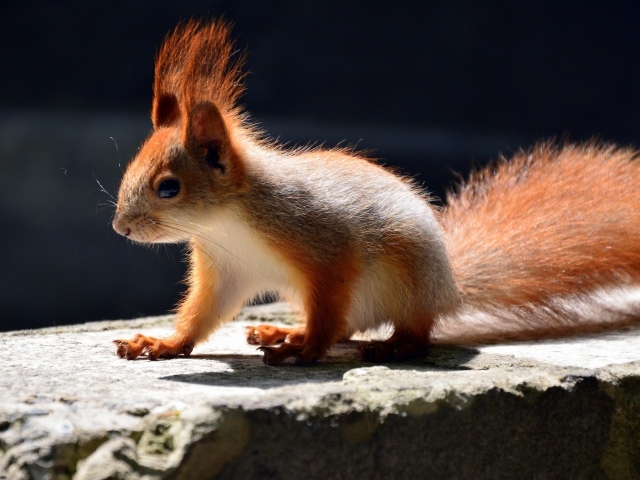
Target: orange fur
{"type": "Point", "coordinates": [569, 217]}
{"type": "Point", "coordinates": [552, 223]}
{"type": "Point", "coordinates": [197, 63]}
{"type": "Point", "coordinates": [325, 295]}
{"type": "Point", "coordinates": [356, 245]}
{"type": "Point", "coordinates": [271, 335]}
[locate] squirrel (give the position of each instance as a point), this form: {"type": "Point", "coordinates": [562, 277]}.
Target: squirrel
{"type": "Point", "coordinates": [523, 248]}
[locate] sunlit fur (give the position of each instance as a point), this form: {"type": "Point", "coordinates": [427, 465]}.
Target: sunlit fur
{"type": "Point", "coordinates": [355, 245]}
{"type": "Point", "coordinates": [533, 237]}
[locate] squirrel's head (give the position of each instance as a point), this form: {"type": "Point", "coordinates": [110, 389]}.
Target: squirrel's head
{"type": "Point", "coordinates": [186, 169]}
{"type": "Point", "coordinates": [189, 165]}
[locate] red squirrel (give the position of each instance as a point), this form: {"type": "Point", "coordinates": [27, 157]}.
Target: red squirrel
{"type": "Point", "coordinates": [355, 245]}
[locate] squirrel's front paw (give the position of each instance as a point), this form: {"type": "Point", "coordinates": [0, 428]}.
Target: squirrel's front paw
{"type": "Point", "coordinates": [154, 348]}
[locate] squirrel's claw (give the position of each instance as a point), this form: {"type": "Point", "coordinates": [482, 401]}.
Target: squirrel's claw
{"type": "Point", "coordinates": [303, 355]}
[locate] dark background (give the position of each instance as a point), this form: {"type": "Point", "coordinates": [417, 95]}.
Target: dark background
{"type": "Point", "coordinates": [434, 88]}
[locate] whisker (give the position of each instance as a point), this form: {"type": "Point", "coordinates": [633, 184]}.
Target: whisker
{"type": "Point", "coordinates": [197, 234]}
{"type": "Point", "coordinates": [102, 188]}
{"type": "Point", "coordinates": [159, 227]}
{"type": "Point", "coordinates": [192, 223]}
{"type": "Point", "coordinates": [121, 157]}
{"type": "Point", "coordinates": [168, 253]}
{"type": "Point", "coordinates": [102, 206]}
{"type": "Point", "coordinates": [211, 258]}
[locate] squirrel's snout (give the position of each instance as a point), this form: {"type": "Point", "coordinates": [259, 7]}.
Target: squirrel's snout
{"type": "Point", "coordinates": [121, 227]}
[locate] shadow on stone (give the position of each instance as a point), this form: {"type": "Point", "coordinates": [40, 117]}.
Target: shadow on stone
{"type": "Point", "coordinates": [249, 371]}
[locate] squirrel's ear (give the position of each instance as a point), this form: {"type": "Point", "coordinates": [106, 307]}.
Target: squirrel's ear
{"type": "Point", "coordinates": [165, 110]}
{"type": "Point", "coordinates": [205, 126]}
{"type": "Point", "coordinates": [205, 130]}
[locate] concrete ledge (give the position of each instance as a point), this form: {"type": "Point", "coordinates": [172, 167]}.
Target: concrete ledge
{"type": "Point", "coordinates": [69, 408]}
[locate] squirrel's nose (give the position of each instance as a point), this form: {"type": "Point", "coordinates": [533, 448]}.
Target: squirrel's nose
{"type": "Point", "coordinates": [120, 227]}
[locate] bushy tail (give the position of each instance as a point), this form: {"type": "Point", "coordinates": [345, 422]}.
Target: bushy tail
{"type": "Point", "coordinates": [546, 244]}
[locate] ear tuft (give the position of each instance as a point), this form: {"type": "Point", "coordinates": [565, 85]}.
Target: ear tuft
{"type": "Point", "coordinates": [166, 110]}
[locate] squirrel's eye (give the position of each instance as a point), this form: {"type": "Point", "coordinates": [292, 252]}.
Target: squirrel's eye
{"type": "Point", "coordinates": [168, 188]}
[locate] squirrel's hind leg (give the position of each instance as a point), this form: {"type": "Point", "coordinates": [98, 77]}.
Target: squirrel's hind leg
{"type": "Point", "coordinates": [325, 325]}
{"type": "Point", "coordinates": [271, 335]}
{"type": "Point", "coordinates": [326, 305]}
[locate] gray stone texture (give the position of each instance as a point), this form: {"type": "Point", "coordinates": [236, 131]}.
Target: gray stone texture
{"type": "Point", "coordinates": [69, 408]}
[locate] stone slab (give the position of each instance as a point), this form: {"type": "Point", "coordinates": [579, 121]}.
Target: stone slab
{"type": "Point", "coordinates": [69, 408]}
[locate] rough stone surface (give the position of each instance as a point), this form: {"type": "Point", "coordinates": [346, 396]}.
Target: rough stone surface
{"type": "Point", "coordinates": [69, 408]}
